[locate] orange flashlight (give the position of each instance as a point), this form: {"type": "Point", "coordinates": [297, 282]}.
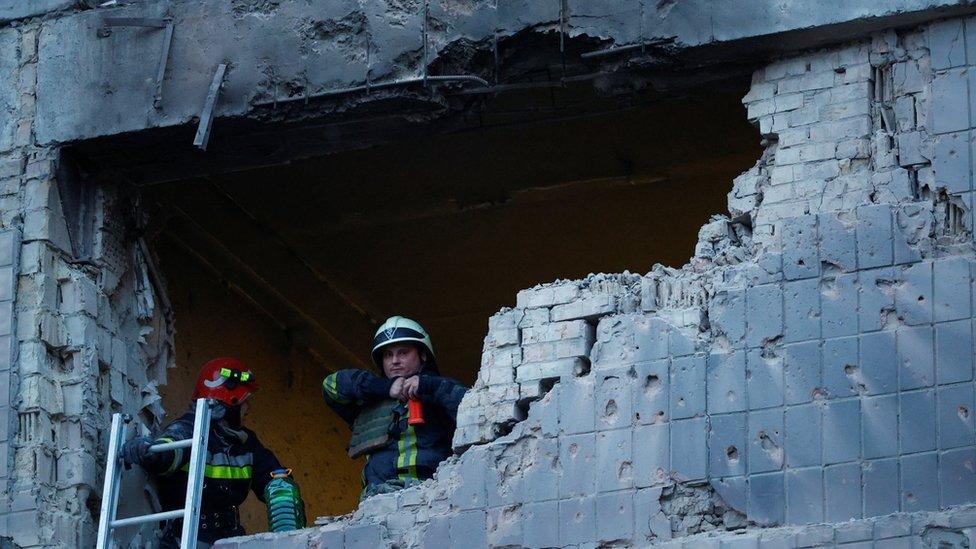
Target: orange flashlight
{"type": "Point", "coordinates": [415, 412]}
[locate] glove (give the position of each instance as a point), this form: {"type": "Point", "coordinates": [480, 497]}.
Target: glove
{"type": "Point", "coordinates": [135, 451]}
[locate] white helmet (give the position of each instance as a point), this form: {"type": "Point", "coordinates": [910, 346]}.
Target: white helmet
{"type": "Point", "coordinates": [398, 329]}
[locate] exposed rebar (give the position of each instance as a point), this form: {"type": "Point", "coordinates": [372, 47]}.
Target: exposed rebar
{"type": "Point", "coordinates": [375, 86]}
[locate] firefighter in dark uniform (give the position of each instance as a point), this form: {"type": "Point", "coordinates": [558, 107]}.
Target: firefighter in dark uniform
{"type": "Point", "coordinates": [236, 462]}
{"type": "Point", "coordinates": [399, 451]}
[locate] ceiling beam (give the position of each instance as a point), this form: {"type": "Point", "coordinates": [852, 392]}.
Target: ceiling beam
{"type": "Point", "coordinates": [288, 310]}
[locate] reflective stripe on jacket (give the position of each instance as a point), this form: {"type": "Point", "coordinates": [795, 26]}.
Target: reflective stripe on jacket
{"type": "Point", "coordinates": [414, 451]}
{"type": "Point", "coordinates": [236, 463]}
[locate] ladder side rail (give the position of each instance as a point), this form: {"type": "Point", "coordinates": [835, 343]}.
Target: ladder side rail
{"type": "Point", "coordinates": [110, 488]}
{"type": "Point", "coordinates": [194, 486]}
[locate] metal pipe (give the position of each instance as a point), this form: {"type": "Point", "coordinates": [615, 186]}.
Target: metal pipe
{"type": "Point", "coordinates": [426, 17]}
{"type": "Point", "coordinates": [369, 67]}
{"type": "Point", "coordinates": [562, 28]}
{"type": "Point", "coordinates": [494, 50]}
{"type": "Point", "coordinates": [623, 49]}
{"type": "Point", "coordinates": [155, 517]}
{"type": "Point", "coordinates": [562, 82]}
{"type": "Point", "coordinates": [377, 86]}
{"type": "Point", "coordinates": [161, 67]}
{"type": "Point", "coordinates": [167, 446]}
{"type": "Point", "coordinates": [510, 87]}
{"type": "Point", "coordinates": [640, 21]}
{"type": "Point", "coordinates": [206, 117]}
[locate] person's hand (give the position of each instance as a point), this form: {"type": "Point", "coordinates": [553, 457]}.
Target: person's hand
{"type": "Point", "coordinates": [397, 388]}
{"type": "Point", "coordinates": [134, 452]}
{"type": "Point", "coordinates": [410, 387]}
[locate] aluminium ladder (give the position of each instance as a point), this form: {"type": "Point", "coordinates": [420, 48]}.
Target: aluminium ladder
{"type": "Point", "coordinates": [190, 513]}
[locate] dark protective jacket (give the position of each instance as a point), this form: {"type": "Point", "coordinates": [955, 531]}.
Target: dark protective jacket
{"type": "Point", "coordinates": [413, 451]}
{"type": "Point", "coordinates": [236, 462]}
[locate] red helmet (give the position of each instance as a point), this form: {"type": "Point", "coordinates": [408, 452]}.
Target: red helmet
{"type": "Point", "coordinates": [225, 379]}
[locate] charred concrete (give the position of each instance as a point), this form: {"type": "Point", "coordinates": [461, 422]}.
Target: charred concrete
{"type": "Point", "coordinates": [800, 326]}
{"type": "Point", "coordinates": [831, 300]}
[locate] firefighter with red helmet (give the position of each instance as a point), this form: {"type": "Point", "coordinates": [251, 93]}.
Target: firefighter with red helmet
{"type": "Point", "coordinates": [236, 462]}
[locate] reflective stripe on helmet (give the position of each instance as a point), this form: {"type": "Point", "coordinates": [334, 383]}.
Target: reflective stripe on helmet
{"type": "Point", "coordinates": [402, 332]}
{"type": "Point", "coordinates": [212, 383]}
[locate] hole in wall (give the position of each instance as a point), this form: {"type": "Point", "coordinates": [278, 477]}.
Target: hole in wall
{"type": "Point", "coordinates": [652, 385]}
{"type": "Point", "coordinates": [291, 266]}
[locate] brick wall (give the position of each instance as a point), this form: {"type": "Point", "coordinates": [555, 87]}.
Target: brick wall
{"type": "Point", "coordinates": [811, 364]}
{"type": "Point", "coordinates": [82, 334]}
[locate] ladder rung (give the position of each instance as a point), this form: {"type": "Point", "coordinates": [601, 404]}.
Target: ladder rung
{"type": "Point", "coordinates": [166, 446]}
{"type": "Point", "coordinates": [190, 513]}
{"type": "Point", "coordinates": [165, 515]}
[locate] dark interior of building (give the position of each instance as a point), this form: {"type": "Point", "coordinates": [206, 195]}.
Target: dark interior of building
{"type": "Point", "coordinates": [291, 267]}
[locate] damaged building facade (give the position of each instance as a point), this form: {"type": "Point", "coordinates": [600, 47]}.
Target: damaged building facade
{"type": "Point", "coordinates": [181, 180]}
